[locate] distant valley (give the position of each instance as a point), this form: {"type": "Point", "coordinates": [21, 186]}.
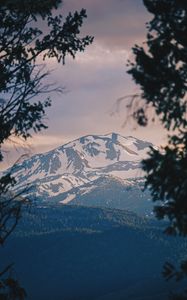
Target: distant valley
{"type": "Point", "coordinates": [81, 253]}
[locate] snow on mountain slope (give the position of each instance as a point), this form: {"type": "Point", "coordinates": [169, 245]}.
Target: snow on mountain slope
{"type": "Point", "coordinates": [79, 162]}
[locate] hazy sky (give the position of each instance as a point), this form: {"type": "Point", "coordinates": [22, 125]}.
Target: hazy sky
{"type": "Point", "coordinates": [97, 78]}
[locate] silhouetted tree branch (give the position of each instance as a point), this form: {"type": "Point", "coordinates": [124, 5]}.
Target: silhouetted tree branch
{"type": "Point", "coordinates": [160, 69]}
{"type": "Point", "coordinates": [22, 110]}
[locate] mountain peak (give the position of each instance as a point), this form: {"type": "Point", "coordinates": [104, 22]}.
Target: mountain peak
{"type": "Point", "coordinates": [81, 161]}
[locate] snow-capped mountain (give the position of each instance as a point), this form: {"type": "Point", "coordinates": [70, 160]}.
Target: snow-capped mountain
{"type": "Point", "coordinates": [60, 173]}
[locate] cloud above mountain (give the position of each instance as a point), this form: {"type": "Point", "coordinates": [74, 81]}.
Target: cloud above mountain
{"type": "Point", "coordinates": [96, 78]}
